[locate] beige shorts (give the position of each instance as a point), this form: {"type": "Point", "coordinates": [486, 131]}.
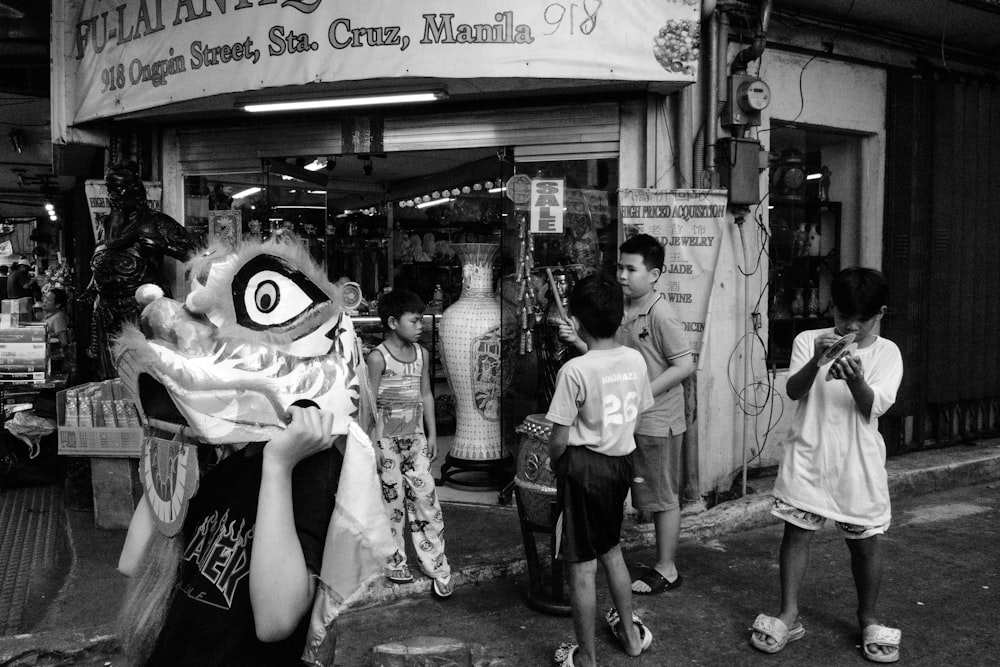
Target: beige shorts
{"type": "Point", "coordinates": [656, 472]}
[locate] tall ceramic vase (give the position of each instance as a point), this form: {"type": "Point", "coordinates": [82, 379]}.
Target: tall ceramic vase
{"type": "Point", "coordinates": [470, 332]}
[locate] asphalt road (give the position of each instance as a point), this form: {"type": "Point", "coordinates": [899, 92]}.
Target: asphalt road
{"type": "Point", "coordinates": [941, 587]}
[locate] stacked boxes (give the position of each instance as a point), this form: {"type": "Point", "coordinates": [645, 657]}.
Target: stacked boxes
{"type": "Point", "coordinates": [98, 419]}
{"type": "Point", "coordinates": [16, 312]}
{"type": "Point", "coordinates": [23, 353]}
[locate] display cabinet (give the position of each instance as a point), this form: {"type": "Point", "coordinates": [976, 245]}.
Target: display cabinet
{"type": "Point", "coordinates": [804, 252]}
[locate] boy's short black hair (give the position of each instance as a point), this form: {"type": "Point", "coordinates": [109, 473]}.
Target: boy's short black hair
{"type": "Point", "coordinates": [598, 303]}
{"type": "Point", "coordinates": [397, 303]}
{"type": "Point", "coordinates": [859, 292]}
{"type": "Point", "coordinates": [59, 296]}
{"type": "Point", "coordinates": [651, 250]}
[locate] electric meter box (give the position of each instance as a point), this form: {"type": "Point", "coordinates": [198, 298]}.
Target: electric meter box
{"type": "Point", "coordinates": [748, 96]}
{"type": "Point", "coordinates": [738, 160]}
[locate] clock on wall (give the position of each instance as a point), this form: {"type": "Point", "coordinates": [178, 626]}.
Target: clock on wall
{"type": "Point", "coordinates": [788, 176]}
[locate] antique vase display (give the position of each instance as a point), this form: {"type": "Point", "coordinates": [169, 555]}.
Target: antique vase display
{"type": "Point", "coordinates": [470, 334]}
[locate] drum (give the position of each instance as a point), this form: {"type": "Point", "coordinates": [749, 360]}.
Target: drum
{"type": "Point", "coordinates": [535, 480]}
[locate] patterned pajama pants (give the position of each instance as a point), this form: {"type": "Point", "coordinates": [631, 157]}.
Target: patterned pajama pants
{"type": "Point", "coordinates": [410, 497]}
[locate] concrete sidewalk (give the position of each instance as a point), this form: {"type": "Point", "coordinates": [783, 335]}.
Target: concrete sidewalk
{"type": "Point", "coordinates": [484, 544]}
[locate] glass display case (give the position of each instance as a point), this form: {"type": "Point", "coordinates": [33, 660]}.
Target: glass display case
{"type": "Point", "coordinates": [804, 251]}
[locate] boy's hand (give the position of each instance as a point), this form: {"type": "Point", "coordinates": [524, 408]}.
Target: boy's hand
{"type": "Point", "coordinates": [568, 334]}
{"type": "Point", "coordinates": [848, 368]}
{"type": "Point", "coordinates": [432, 448]}
{"type": "Point", "coordinates": [823, 343]}
{"type": "Point", "coordinates": [310, 431]}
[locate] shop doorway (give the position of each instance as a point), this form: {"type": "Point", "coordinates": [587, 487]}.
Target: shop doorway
{"type": "Point", "coordinates": [389, 219]}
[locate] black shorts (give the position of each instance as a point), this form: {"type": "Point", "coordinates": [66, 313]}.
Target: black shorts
{"type": "Point", "coordinates": [590, 494]}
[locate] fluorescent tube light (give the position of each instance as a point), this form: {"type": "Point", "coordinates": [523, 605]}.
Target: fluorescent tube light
{"type": "Point", "coordinates": [246, 193]}
{"type": "Point", "coordinates": [340, 102]}
{"type": "Point", "coordinates": [502, 188]}
{"type": "Point", "coordinates": [813, 177]}
{"type": "Point", "coordinates": [435, 202]}
{"type": "Point", "coordinates": [319, 208]}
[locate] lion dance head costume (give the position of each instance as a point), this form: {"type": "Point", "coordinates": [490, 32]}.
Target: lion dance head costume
{"type": "Point", "coordinates": [262, 329]}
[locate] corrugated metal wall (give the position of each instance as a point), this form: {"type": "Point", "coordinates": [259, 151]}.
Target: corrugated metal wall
{"type": "Point", "coordinates": [942, 254]}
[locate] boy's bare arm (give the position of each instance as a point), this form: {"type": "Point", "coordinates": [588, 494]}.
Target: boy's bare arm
{"type": "Point", "coordinates": [427, 399]}
{"type": "Point", "coordinates": [281, 584]}
{"type": "Point", "coordinates": [801, 382]}
{"type": "Point", "coordinates": [677, 370]}
{"type": "Point", "coordinates": [558, 441]}
{"type": "Point", "coordinates": [849, 369]}
{"type": "Point", "coordinates": [376, 366]}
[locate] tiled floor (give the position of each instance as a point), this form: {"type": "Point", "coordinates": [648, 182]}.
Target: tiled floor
{"type": "Point", "coordinates": [454, 494]}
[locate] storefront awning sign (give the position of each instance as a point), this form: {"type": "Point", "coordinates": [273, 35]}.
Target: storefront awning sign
{"type": "Point", "coordinates": [121, 56]}
{"type": "Point", "coordinates": [689, 224]}
{"type": "Point", "coordinates": [548, 204]}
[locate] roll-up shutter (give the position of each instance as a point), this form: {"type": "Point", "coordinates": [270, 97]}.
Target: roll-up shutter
{"type": "Point", "coordinates": [591, 130]}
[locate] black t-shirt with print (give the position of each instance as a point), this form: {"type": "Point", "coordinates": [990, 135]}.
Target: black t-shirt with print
{"type": "Point", "coordinates": [210, 621]}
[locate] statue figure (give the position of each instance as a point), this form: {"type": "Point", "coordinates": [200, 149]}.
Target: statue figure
{"type": "Point", "coordinates": [131, 245]}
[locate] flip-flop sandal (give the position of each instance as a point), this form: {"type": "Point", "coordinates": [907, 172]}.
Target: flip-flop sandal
{"type": "Point", "coordinates": [564, 655]}
{"type": "Point", "coordinates": [774, 627]}
{"type": "Point", "coordinates": [880, 635]}
{"type": "Point", "coordinates": [400, 575]}
{"type": "Point", "coordinates": [657, 582]}
{"type": "Point", "coordinates": [645, 634]}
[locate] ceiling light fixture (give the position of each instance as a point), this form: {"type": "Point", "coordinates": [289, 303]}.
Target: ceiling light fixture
{"type": "Point", "coordinates": [246, 193]}
{"type": "Point", "coordinates": [341, 102]}
{"type": "Point", "coordinates": [316, 165]}
{"type": "Point", "coordinates": [17, 140]}
{"type": "Point", "coordinates": [434, 202]}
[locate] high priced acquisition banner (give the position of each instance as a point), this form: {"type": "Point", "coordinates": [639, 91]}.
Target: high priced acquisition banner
{"type": "Point", "coordinates": [689, 224]}
{"type": "Point", "coordinates": [121, 56]}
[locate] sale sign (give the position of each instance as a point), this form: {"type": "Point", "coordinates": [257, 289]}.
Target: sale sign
{"type": "Point", "coordinates": [548, 205]}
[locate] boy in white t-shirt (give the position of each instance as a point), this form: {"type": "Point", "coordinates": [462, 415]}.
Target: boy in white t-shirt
{"type": "Point", "coordinates": [833, 464]}
{"type": "Point", "coordinates": [594, 408]}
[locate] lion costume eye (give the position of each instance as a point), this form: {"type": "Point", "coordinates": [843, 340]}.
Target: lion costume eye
{"type": "Point", "coordinates": [269, 292]}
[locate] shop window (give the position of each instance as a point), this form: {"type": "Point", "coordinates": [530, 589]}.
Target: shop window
{"type": "Point", "coordinates": [812, 200]}
{"type": "Point", "coordinates": [225, 207]}
{"type": "Point", "coordinates": [588, 243]}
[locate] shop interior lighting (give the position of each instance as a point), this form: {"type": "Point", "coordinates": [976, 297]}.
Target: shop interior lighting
{"type": "Point", "coordinates": [49, 207]}
{"type": "Point", "coordinates": [449, 194]}
{"type": "Point", "coordinates": [814, 177]}
{"type": "Point", "coordinates": [341, 102]}
{"type": "Point", "coordinates": [434, 202]}
{"type": "Point", "coordinates": [17, 140]}
{"type": "Point", "coordinates": [316, 165]}
{"type": "Point", "coordinates": [246, 193]}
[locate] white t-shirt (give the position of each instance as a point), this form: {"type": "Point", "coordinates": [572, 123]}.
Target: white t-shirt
{"type": "Point", "coordinates": [600, 396]}
{"type": "Point", "coordinates": [833, 462]}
